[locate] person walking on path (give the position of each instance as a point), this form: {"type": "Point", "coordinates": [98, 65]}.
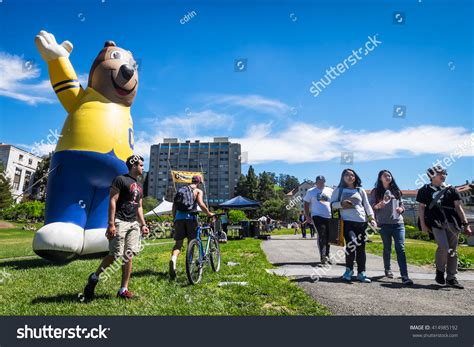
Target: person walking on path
{"type": "Point", "coordinates": [355, 211]}
{"type": "Point", "coordinates": [303, 224]}
{"type": "Point", "coordinates": [386, 201]}
{"type": "Point", "coordinates": [318, 211]}
{"type": "Point", "coordinates": [441, 213]}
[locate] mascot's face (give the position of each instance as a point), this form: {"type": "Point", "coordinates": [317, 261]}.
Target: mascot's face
{"type": "Point", "coordinates": [114, 74]}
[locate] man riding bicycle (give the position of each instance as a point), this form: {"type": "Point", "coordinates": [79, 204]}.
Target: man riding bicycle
{"type": "Point", "coordinates": [185, 222]}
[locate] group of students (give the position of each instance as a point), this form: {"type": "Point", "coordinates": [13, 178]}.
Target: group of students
{"type": "Point", "coordinates": [440, 213]}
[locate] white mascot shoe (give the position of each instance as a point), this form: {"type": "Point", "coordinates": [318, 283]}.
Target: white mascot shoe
{"type": "Point", "coordinates": [95, 242]}
{"type": "Point", "coordinates": [59, 241]}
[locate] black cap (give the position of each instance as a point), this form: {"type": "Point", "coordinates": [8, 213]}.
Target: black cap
{"type": "Point", "coordinates": [320, 178]}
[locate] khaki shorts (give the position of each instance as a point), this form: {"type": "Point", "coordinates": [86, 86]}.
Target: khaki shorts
{"type": "Point", "coordinates": [126, 240]}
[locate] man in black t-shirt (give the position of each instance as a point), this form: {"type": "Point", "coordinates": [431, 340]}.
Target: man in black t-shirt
{"type": "Point", "coordinates": [441, 213]}
{"type": "Point", "coordinates": [123, 231]}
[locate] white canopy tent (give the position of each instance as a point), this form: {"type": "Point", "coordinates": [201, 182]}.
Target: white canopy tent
{"type": "Point", "coordinates": [165, 207]}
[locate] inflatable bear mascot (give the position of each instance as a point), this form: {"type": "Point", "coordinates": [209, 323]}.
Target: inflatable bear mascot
{"type": "Point", "coordinates": [95, 142]}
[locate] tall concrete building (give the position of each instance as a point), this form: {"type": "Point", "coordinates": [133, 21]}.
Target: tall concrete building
{"type": "Point", "coordinates": [20, 166]}
{"type": "Point", "coordinates": [219, 160]}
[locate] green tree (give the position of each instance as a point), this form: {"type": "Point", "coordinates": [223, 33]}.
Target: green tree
{"type": "Point", "coordinates": [252, 184]}
{"type": "Point", "coordinates": [149, 203]}
{"type": "Point", "coordinates": [40, 183]}
{"type": "Point", "coordinates": [266, 189]}
{"type": "Point", "coordinates": [288, 182]}
{"type": "Point", "coordinates": [241, 187]}
{"type": "Point", "coordinates": [6, 199]}
{"type": "Point", "coordinates": [278, 208]}
{"type": "Point", "coordinates": [235, 216]}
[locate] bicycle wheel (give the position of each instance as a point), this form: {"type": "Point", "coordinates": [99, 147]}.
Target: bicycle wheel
{"type": "Point", "coordinates": [193, 262]}
{"type": "Point", "coordinates": [215, 255]}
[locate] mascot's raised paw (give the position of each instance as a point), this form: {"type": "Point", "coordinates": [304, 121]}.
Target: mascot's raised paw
{"type": "Point", "coordinates": [49, 48]}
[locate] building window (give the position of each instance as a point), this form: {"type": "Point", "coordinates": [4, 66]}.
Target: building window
{"type": "Point", "coordinates": [16, 179]}
{"type": "Point", "coordinates": [20, 157]}
{"type": "Point", "coordinates": [30, 161]}
{"type": "Point", "coordinates": [26, 182]}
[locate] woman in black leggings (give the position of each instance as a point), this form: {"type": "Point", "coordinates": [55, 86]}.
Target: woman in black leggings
{"type": "Point", "coordinates": [355, 211]}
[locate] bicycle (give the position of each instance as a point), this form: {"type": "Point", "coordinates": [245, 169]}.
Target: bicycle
{"type": "Point", "coordinates": [200, 253]}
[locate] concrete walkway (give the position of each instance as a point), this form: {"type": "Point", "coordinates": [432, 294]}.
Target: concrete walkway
{"type": "Point", "coordinates": [298, 259]}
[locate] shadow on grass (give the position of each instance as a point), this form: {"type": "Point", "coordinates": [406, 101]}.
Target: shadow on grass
{"type": "Point", "coordinates": [30, 264]}
{"type": "Point", "coordinates": [163, 275]}
{"type": "Point", "coordinates": [62, 298]}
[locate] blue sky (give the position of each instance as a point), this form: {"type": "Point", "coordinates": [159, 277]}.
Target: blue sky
{"type": "Point", "coordinates": [189, 87]}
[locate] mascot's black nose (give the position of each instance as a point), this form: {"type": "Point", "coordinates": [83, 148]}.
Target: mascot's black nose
{"type": "Point", "coordinates": [127, 71]}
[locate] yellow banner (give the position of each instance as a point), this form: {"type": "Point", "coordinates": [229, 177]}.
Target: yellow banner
{"type": "Point", "coordinates": [185, 176]}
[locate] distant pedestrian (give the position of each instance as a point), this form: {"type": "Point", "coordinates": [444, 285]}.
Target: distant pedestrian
{"type": "Point", "coordinates": [303, 224]}
{"type": "Point", "coordinates": [318, 211]}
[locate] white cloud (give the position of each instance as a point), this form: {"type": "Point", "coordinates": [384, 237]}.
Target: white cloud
{"type": "Point", "coordinates": [19, 81]}
{"type": "Point", "coordinates": [190, 123]}
{"type": "Point", "coordinates": [186, 126]}
{"type": "Point", "coordinates": [256, 103]}
{"type": "Point", "coordinates": [302, 143]}
{"type": "Point", "coordinates": [15, 71]}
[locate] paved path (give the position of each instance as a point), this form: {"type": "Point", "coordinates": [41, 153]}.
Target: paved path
{"type": "Point", "coordinates": [298, 259]}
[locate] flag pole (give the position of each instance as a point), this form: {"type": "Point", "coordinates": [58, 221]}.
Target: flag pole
{"type": "Point", "coordinates": [174, 183]}
{"type": "Point", "coordinates": [204, 184]}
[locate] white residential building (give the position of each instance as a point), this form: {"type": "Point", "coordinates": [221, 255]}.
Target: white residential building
{"type": "Point", "coordinates": [19, 166]}
{"type": "Point", "coordinates": [297, 194]}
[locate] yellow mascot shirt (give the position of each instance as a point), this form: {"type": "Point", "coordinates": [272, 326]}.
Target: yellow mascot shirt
{"type": "Point", "coordinates": [94, 123]}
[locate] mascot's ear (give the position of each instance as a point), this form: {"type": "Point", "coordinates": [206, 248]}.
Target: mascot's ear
{"type": "Point", "coordinates": [109, 44]}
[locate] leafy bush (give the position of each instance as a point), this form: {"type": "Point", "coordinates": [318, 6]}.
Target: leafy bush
{"type": "Point", "coordinates": [413, 233]}
{"type": "Point", "coordinates": [235, 216]}
{"type": "Point", "coordinates": [26, 211]}
{"type": "Point", "coordinates": [463, 261]}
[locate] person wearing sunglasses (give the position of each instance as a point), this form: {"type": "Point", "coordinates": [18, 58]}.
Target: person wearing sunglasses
{"type": "Point", "coordinates": [441, 213]}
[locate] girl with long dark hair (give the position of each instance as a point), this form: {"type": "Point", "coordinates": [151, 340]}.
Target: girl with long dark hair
{"type": "Point", "coordinates": [386, 200]}
{"type": "Point", "coordinates": [356, 212]}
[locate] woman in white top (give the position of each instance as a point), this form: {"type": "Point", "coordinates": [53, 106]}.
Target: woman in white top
{"type": "Point", "coordinates": [355, 211]}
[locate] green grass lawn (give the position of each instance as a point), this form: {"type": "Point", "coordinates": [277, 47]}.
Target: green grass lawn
{"type": "Point", "coordinates": [285, 231]}
{"type": "Point", "coordinates": [37, 287]}
{"type": "Point", "coordinates": [15, 243]}
{"type": "Point", "coordinates": [418, 252]}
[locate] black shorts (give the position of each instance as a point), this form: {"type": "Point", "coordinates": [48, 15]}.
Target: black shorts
{"type": "Point", "coordinates": [185, 228]}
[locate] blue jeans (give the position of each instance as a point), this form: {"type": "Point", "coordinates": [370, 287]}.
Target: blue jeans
{"type": "Point", "coordinates": [397, 232]}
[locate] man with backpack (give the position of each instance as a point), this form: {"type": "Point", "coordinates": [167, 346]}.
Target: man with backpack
{"type": "Point", "coordinates": [185, 222]}
{"type": "Point", "coordinates": [441, 213]}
